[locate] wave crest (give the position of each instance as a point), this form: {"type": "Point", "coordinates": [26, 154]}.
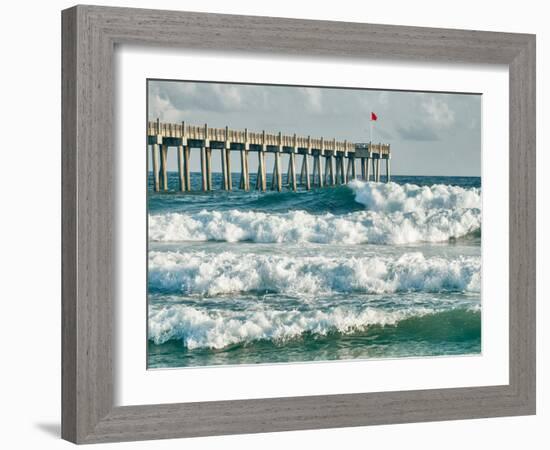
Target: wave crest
{"type": "Point", "coordinates": [393, 197]}
{"type": "Point", "coordinates": [200, 273]}
{"type": "Point", "coordinates": [395, 214]}
{"type": "Point", "coordinates": [217, 329]}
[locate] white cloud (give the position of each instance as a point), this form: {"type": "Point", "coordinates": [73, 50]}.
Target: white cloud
{"type": "Point", "coordinates": [383, 98]}
{"type": "Point", "coordinates": [438, 112]}
{"type": "Point", "coordinates": [159, 106]}
{"type": "Point", "coordinates": [229, 95]}
{"type": "Point", "coordinates": [313, 98]}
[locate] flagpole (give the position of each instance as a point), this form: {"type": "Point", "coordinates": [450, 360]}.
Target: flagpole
{"type": "Point", "coordinates": [370, 140]}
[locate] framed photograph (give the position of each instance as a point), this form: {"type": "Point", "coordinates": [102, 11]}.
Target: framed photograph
{"type": "Point", "coordinates": [267, 230]}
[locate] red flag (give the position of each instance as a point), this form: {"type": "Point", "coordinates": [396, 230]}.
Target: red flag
{"type": "Point", "coordinates": [373, 116]}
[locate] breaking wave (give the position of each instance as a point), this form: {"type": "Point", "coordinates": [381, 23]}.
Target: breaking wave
{"type": "Point", "coordinates": [217, 329]}
{"type": "Point", "coordinates": [393, 214]}
{"type": "Point", "coordinates": [209, 274]}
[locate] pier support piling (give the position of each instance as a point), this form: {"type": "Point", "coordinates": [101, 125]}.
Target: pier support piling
{"type": "Point", "coordinates": [261, 181]}
{"type": "Point", "coordinates": [320, 172]}
{"type": "Point", "coordinates": [180, 168]}
{"type": "Point", "coordinates": [343, 173]}
{"type": "Point", "coordinates": [306, 172]}
{"type": "Point", "coordinates": [373, 164]}
{"type": "Point", "coordinates": [247, 165]}
{"type": "Point", "coordinates": [228, 168]}
{"type": "Point", "coordinates": [223, 160]}
{"type": "Point", "coordinates": [349, 166]}
{"type": "Point", "coordinates": [209, 169]}
{"type": "Point", "coordinates": [163, 168]}
{"type": "Point", "coordinates": [277, 179]}
{"type": "Point", "coordinates": [292, 171]}
{"type": "Point", "coordinates": [315, 163]}
{"type": "Point", "coordinates": [288, 173]}
{"type": "Point", "coordinates": [338, 169]}
{"type": "Point", "coordinates": [204, 177]}
{"type": "Point", "coordinates": [187, 167]}
{"type": "Point", "coordinates": [155, 155]}
{"type": "Point", "coordinates": [244, 170]}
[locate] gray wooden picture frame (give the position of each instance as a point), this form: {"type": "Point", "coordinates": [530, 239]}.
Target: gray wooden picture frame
{"type": "Point", "coordinates": [90, 34]}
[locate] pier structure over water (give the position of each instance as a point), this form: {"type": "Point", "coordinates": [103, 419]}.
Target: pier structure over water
{"type": "Point", "coordinates": [324, 162]}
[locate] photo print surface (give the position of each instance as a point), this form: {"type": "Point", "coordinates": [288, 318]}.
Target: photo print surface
{"type": "Point", "coordinates": [295, 224]}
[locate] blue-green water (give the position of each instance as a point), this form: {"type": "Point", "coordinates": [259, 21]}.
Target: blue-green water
{"type": "Point", "coordinates": [366, 270]}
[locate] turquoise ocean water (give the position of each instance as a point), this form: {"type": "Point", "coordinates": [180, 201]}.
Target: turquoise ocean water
{"type": "Point", "coordinates": [365, 270]}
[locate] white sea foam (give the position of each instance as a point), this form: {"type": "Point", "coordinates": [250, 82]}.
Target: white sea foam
{"type": "Point", "coordinates": [393, 197]}
{"type": "Point", "coordinates": [394, 214]}
{"type": "Point", "coordinates": [210, 274]}
{"type": "Point", "coordinates": [197, 328]}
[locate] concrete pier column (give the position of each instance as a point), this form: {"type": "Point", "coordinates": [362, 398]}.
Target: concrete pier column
{"type": "Point", "coordinates": [245, 174]}
{"type": "Point", "coordinates": [262, 182]}
{"type": "Point", "coordinates": [244, 171]}
{"type": "Point", "coordinates": [155, 159]}
{"type": "Point", "coordinates": [163, 166]}
{"type": "Point", "coordinates": [181, 160]}
{"type": "Point", "coordinates": [247, 165]}
{"type": "Point", "coordinates": [228, 159]}
{"type": "Point", "coordinates": [204, 177]}
{"type": "Point", "coordinates": [306, 171]}
{"type": "Point", "coordinates": [288, 174]}
{"type": "Point", "coordinates": [258, 175]}
{"type": "Point", "coordinates": [349, 165]}
{"type": "Point", "coordinates": [320, 171]}
{"type": "Point", "coordinates": [343, 169]}
{"type": "Point", "coordinates": [278, 169]}
{"type": "Point", "coordinates": [223, 161]}
{"type": "Point", "coordinates": [332, 171]}
{"type": "Point", "coordinates": [292, 170]}
{"type": "Point", "coordinates": [180, 168]}
{"type": "Point", "coordinates": [209, 186]}
{"type": "Point", "coordinates": [187, 167]}
{"type": "Point", "coordinates": [378, 169]}
{"type": "Point", "coordinates": [228, 168]}
{"type": "Point", "coordinates": [388, 179]}
{"type": "Point", "coordinates": [339, 177]}
{"type": "Point", "coordinates": [277, 178]}
{"type": "Point", "coordinates": [261, 171]}
{"type": "Point", "coordinates": [373, 161]}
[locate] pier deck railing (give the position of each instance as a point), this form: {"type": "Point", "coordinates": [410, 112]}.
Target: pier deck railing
{"type": "Point", "coordinates": [339, 157]}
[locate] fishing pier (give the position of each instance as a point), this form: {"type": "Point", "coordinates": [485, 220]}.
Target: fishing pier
{"type": "Point", "coordinates": [324, 162]}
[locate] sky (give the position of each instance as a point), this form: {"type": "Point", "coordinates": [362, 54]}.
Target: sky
{"type": "Point", "coordinates": [429, 133]}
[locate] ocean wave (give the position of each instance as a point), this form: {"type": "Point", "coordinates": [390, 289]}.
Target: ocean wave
{"type": "Point", "coordinates": [217, 329]}
{"type": "Point", "coordinates": [201, 273]}
{"type": "Point", "coordinates": [394, 214]}
{"type": "Point", "coordinates": [406, 198]}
